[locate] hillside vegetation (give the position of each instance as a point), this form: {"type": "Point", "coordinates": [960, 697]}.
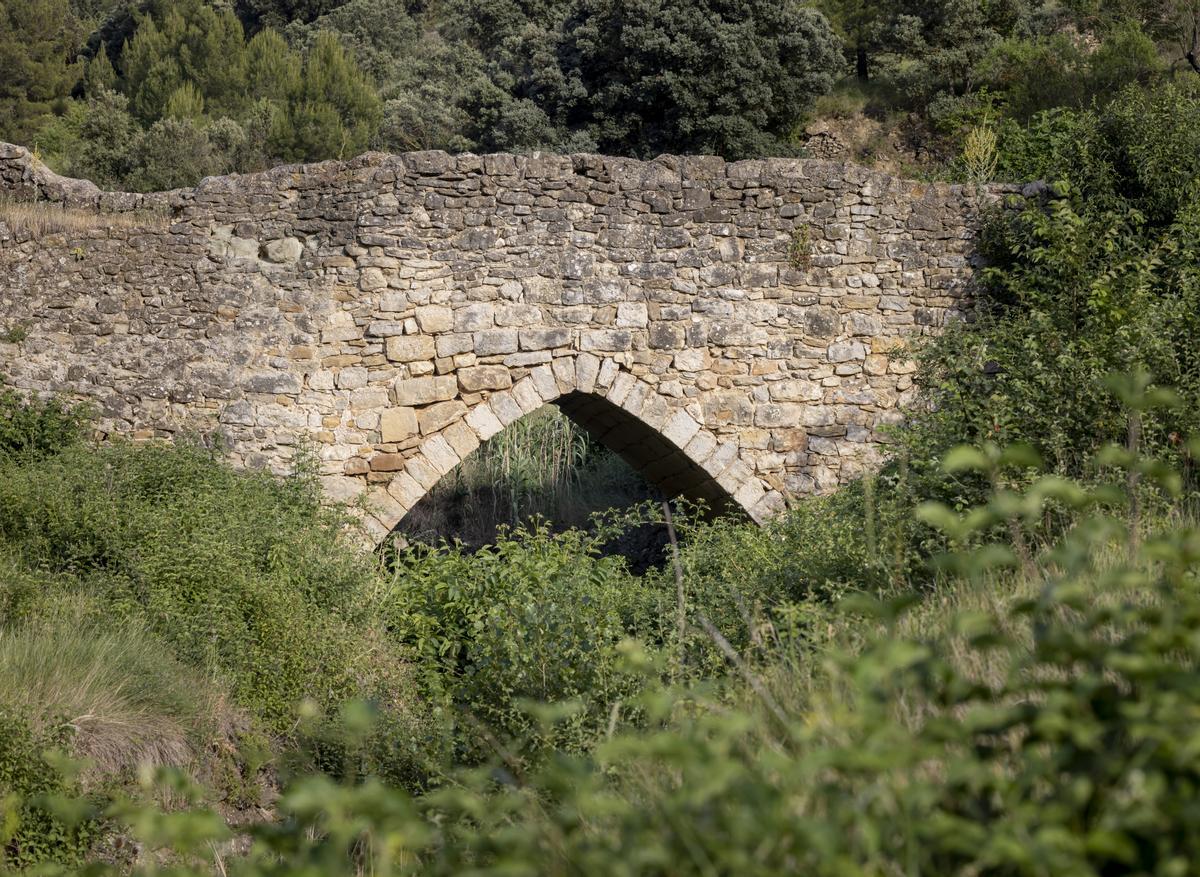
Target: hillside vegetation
{"type": "Point", "coordinates": [980, 660]}
{"type": "Point", "coordinates": [152, 94]}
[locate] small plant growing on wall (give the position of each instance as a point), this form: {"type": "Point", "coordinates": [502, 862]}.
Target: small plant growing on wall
{"type": "Point", "coordinates": [800, 248]}
{"type": "Point", "coordinates": [15, 334]}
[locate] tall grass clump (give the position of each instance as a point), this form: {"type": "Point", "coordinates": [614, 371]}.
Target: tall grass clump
{"type": "Point", "coordinates": [126, 699]}
{"type": "Point", "coordinates": [542, 466]}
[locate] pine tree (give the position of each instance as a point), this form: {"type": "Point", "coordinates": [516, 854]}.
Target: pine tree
{"type": "Point", "coordinates": [335, 111]}
{"type": "Point", "coordinates": [100, 74]}
{"type": "Point", "coordinates": [189, 42]}
{"type": "Point", "coordinates": [272, 69]}
{"type": "Point", "coordinates": [185, 102]}
{"type": "Point", "coordinates": [38, 41]}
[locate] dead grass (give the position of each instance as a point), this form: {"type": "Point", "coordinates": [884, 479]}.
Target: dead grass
{"type": "Point", "coordinates": [39, 219]}
{"type": "Point", "coordinates": [129, 702]}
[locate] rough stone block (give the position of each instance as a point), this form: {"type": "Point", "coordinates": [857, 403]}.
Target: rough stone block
{"type": "Point", "coordinates": [607, 340]}
{"type": "Point", "coordinates": [505, 407]}
{"type": "Point", "coordinates": [632, 315]}
{"type": "Point", "coordinates": [461, 437]}
{"type": "Point", "coordinates": [454, 345]}
{"type": "Point", "coordinates": [435, 318]}
{"type": "Point", "coordinates": [284, 250]}
{"type": "Point", "coordinates": [368, 398]}
{"type": "Point", "coordinates": [423, 391]}
{"type": "Point", "coordinates": [484, 422]}
{"type": "Point", "coordinates": [494, 342]}
{"type": "Point", "coordinates": [439, 454]}
{"type": "Point", "coordinates": [587, 369]}
{"type": "Point", "coordinates": [544, 339]}
{"type": "Point", "coordinates": [405, 490]}
{"type": "Point", "coordinates": [475, 318]}
{"type": "Point", "coordinates": [439, 415]}
{"type": "Point", "coordinates": [387, 462]}
{"type": "Point", "coordinates": [484, 377]}
{"type": "Point", "coordinates": [680, 429]}
{"type": "Point", "coordinates": [518, 315]}
{"type": "Point", "coordinates": [526, 395]}
{"type": "Point", "coordinates": [407, 348]}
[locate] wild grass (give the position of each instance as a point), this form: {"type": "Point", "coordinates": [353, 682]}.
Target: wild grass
{"type": "Point", "coordinates": [41, 219]}
{"type": "Point", "coordinates": [127, 700]}
{"type": "Point", "coordinates": [542, 466]}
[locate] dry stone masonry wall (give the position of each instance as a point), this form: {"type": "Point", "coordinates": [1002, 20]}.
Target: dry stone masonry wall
{"type": "Point", "coordinates": [735, 330]}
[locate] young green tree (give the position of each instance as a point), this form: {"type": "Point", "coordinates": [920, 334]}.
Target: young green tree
{"type": "Point", "coordinates": [422, 75]}
{"type": "Point", "coordinates": [185, 102]}
{"type": "Point", "coordinates": [333, 113]}
{"type": "Point", "coordinates": [272, 69]}
{"type": "Point", "coordinates": [99, 74]}
{"type": "Point", "coordinates": [38, 41]}
{"type": "Point", "coordinates": [187, 42]}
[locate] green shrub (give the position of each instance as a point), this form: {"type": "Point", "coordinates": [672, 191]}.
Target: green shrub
{"type": "Point", "coordinates": [33, 830]}
{"type": "Point", "coordinates": [1033, 722]}
{"type": "Point", "coordinates": [243, 574]}
{"type": "Point", "coordinates": [536, 618]}
{"type": "Point", "coordinates": [31, 427]}
{"type": "Point", "coordinates": [1095, 277]}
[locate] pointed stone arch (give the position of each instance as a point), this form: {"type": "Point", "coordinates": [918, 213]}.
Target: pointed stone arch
{"type": "Point", "coordinates": [658, 435]}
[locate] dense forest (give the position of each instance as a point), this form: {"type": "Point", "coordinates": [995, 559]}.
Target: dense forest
{"type": "Point", "coordinates": [152, 94]}
{"type": "Point", "coordinates": [978, 660]}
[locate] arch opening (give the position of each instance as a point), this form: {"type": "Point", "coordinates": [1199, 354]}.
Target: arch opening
{"type": "Point", "coordinates": [654, 433]}
{"type": "Point", "coordinates": [575, 456]}
{"type": "Point", "coordinates": [543, 466]}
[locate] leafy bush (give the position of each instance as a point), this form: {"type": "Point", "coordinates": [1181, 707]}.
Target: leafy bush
{"type": "Point", "coordinates": [536, 618]}
{"type": "Point", "coordinates": [1097, 276]}
{"type": "Point", "coordinates": [240, 573]}
{"type": "Point", "coordinates": [33, 779]}
{"type": "Point", "coordinates": [31, 427]}
{"type": "Point", "coordinates": [1031, 722]}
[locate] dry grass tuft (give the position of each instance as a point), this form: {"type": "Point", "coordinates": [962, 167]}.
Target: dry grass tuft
{"type": "Point", "coordinates": [129, 702]}
{"type": "Point", "coordinates": [39, 219]}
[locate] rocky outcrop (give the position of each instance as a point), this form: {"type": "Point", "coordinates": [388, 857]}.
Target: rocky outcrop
{"type": "Point", "coordinates": [735, 330]}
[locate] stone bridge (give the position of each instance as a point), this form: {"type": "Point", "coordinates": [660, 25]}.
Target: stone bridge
{"type": "Point", "coordinates": [736, 331]}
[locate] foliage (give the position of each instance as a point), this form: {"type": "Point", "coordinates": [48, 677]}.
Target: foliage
{"type": "Point", "coordinates": [422, 75]}
{"type": "Point", "coordinates": [538, 618]}
{"type": "Point", "coordinates": [1096, 277]}
{"type": "Point", "coordinates": [1034, 721]}
{"type": "Point", "coordinates": [334, 111]}
{"type": "Point", "coordinates": [33, 779]}
{"type": "Point", "coordinates": [37, 68]}
{"type": "Point", "coordinates": [727, 77]}
{"type": "Point", "coordinates": [31, 427]}
{"type": "Point", "coordinates": [242, 575]}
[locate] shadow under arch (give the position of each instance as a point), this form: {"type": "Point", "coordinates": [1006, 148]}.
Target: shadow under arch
{"type": "Point", "coordinates": [653, 432]}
